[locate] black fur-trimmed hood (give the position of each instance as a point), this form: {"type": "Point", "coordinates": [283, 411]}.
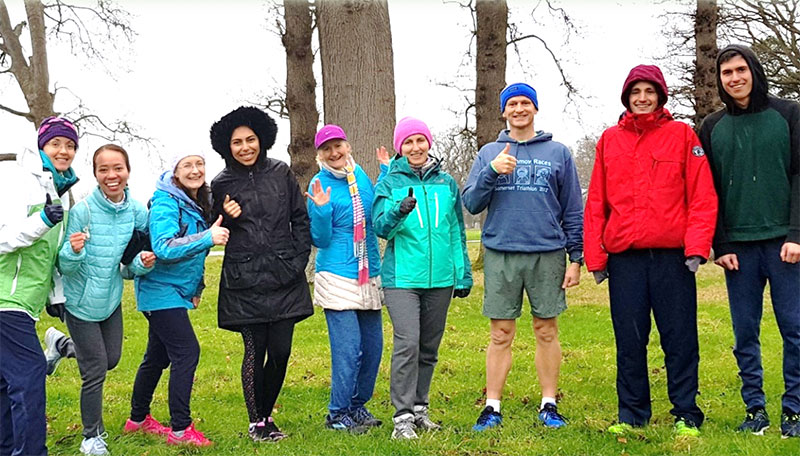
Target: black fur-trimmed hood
{"type": "Point", "coordinates": [259, 121]}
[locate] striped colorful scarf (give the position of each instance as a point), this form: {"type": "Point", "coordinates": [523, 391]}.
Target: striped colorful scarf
{"type": "Point", "coordinates": [359, 225]}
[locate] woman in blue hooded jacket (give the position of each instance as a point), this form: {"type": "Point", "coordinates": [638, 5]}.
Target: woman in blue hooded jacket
{"type": "Point", "coordinates": [99, 229]}
{"type": "Point", "coordinates": [181, 238]}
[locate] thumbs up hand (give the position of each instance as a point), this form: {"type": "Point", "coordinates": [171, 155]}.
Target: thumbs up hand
{"type": "Point", "coordinates": [52, 214]}
{"type": "Point", "coordinates": [409, 202]}
{"type": "Point", "coordinates": [231, 207]}
{"type": "Point", "coordinates": [504, 163]}
{"type": "Point", "coordinates": [219, 234]}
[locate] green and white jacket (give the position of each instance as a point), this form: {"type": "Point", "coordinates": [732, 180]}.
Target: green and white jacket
{"type": "Point", "coordinates": [28, 247]}
{"type": "Point", "coordinates": [426, 248]}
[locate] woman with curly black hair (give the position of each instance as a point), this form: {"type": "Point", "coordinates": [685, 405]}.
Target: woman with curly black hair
{"type": "Point", "coordinates": [263, 290]}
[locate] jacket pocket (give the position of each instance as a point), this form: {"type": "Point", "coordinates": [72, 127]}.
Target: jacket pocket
{"type": "Point", "coordinates": [667, 174]}
{"type": "Point", "coordinates": [285, 269]}
{"type": "Point", "coordinates": [239, 271]}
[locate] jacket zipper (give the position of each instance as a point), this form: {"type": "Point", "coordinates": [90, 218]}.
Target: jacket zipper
{"type": "Point", "coordinates": [436, 197]}
{"type": "Point", "coordinates": [430, 242]}
{"type": "Point", "coordinates": [16, 276]}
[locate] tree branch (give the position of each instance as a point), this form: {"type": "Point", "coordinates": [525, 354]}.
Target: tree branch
{"type": "Point", "coordinates": [564, 79]}
{"type": "Point", "coordinates": [26, 115]}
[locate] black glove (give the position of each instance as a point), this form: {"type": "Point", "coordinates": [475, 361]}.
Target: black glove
{"type": "Point", "coordinates": [461, 292]}
{"type": "Point", "coordinates": [53, 212]}
{"type": "Point", "coordinates": [600, 276]}
{"type": "Point", "coordinates": [694, 262]}
{"type": "Point", "coordinates": [409, 202]}
{"type": "Point", "coordinates": [56, 310]}
{"type": "Point", "coordinates": [140, 241]}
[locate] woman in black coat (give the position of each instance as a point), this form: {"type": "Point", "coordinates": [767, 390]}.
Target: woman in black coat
{"type": "Point", "coordinates": [263, 290]}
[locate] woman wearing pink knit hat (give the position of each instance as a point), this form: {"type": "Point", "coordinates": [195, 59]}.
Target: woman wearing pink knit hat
{"type": "Point", "coordinates": [417, 209]}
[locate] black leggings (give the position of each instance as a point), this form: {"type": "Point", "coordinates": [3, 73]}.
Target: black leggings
{"type": "Point", "coordinates": [171, 342]}
{"type": "Point", "coordinates": [262, 382]}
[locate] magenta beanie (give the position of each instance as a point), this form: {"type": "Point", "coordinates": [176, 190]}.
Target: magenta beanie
{"type": "Point", "coordinates": [409, 126]}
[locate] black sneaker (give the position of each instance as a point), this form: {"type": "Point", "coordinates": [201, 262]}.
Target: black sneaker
{"type": "Point", "coordinates": [273, 432]}
{"type": "Point", "coordinates": [259, 432]}
{"type": "Point", "coordinates": [756, 421]}
{"type": "Point", "coordinates": [790, 424]}
{"type": "Point", "coordinates": [363, 417]}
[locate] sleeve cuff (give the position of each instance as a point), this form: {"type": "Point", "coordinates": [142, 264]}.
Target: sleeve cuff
{"type": "Point", "coordinates": [46, 220]}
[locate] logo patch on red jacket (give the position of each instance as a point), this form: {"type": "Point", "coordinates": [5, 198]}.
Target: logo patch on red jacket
{"type": "Point", "coordinates": [698, 151]}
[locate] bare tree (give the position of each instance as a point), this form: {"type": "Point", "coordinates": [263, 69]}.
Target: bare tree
{"type": "Point", "coordinates": [301, 101]}
{"type": "Point", "coordinates": [88, 30]}
{"type": "Point", "coordinates": [355, 44]}
{"type": "Point", "coordinates": [772, 27]}
{"type": "Point", "coordinates": [32, 74]}
{"type": "Point", "coordinates": [490, 67]}
{"type": "Point", "coordinates": [456, 150]}
{"type": "Point", "coordinates": [583, 155]}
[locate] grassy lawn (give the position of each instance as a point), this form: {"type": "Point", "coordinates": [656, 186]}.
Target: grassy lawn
{"type": "Point", "coordinates": [587, 391]}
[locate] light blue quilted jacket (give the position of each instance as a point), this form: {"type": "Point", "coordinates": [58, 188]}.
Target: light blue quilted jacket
{"type": "Point", "coordinates": [93, 277]}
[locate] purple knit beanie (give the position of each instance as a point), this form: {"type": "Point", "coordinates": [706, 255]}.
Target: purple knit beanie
{"type": "Point", "coordinates": [409, 126]}
{"type": "Point", "coordinates": [57, 126]}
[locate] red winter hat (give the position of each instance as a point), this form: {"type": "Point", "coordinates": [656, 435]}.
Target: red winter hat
{"type": "Point", "coordinates": [649, 73]}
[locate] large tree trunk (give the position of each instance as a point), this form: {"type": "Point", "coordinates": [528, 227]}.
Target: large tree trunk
{"type": "Point", "coordinates": [32, 76]}
{"type": "Point", "coordinates": [490, 76]}
{"type": "Point", "coordinates": [490, 67]}
{"type": "Point", "coordinates": [705, 71]}
{"type": "Point", "coordinates": [301, 100]}
{"type": "Point", "coordinates": [355, 44]}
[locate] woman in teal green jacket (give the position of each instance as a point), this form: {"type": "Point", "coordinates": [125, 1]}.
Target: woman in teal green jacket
{"type": "Point", "coordinates": [99, 229]}
{"type": "Point", "coordinates": [417, 209]}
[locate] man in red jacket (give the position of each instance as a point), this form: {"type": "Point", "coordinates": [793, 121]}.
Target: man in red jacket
{"type": "Point", "coordinates": [649, 221]}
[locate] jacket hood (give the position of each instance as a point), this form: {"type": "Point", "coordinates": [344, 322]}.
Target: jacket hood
{"type": "Point", "coordinates": [759, 95]}
{"type": "Point", "coordinates": [649, 73]}
{"type": "Point", "coordinates": [541, 136]}
{"type": "Point", "coordinates": [259, 121]}
{"type": "Point", "coordinates": [165, 184]}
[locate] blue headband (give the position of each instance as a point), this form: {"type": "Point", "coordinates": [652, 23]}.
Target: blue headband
{"type": "Point", "coordinates": [516, 90]}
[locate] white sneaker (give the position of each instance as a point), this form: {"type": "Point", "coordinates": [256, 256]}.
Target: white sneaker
{"type": "Point", "coordinates": [95, 445]}
{"type": "Point", "coordinates": [51, 354]}
{"type": "Point", "coordinates": [404, 428]}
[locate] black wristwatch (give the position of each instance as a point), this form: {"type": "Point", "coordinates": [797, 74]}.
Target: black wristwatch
{"type": "Point", "coordinates": [577, 260]}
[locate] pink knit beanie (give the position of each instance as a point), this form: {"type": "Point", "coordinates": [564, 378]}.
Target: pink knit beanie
{"type": "Point", "coordinates": [409, 126]}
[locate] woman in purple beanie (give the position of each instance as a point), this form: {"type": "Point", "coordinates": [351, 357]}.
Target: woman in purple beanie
{"type": "Point", "coordinates": [34, 211]}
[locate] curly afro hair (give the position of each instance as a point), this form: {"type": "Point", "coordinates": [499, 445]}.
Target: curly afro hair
{"type": "Point", "coordinates": [259, 121]}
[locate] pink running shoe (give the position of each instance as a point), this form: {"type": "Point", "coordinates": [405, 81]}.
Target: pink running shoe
{"type": "Point", "coordinates": [150, 425]}
{"type": "Point", "coordinates": [191, 436]}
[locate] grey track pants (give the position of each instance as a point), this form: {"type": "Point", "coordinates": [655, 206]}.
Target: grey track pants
{"type": "Point", "coordinates": [98, 347]}
{"type": "Point", "coordinates": [418, 317]}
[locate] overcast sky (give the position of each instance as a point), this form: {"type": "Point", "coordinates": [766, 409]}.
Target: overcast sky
{"type": "Point", "coordinates": [192, 62]}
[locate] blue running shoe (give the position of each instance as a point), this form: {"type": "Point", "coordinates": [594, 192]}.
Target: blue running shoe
{"type": "Point", "coordinates": [488, 419]}
{"type": "Point", "coordinates": [343, 422]}
{"type": "Point", "coordinates": [550, 417]}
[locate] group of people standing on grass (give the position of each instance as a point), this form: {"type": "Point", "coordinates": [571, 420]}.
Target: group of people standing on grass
{"type": "Point", "coordinates": [659, 199]}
